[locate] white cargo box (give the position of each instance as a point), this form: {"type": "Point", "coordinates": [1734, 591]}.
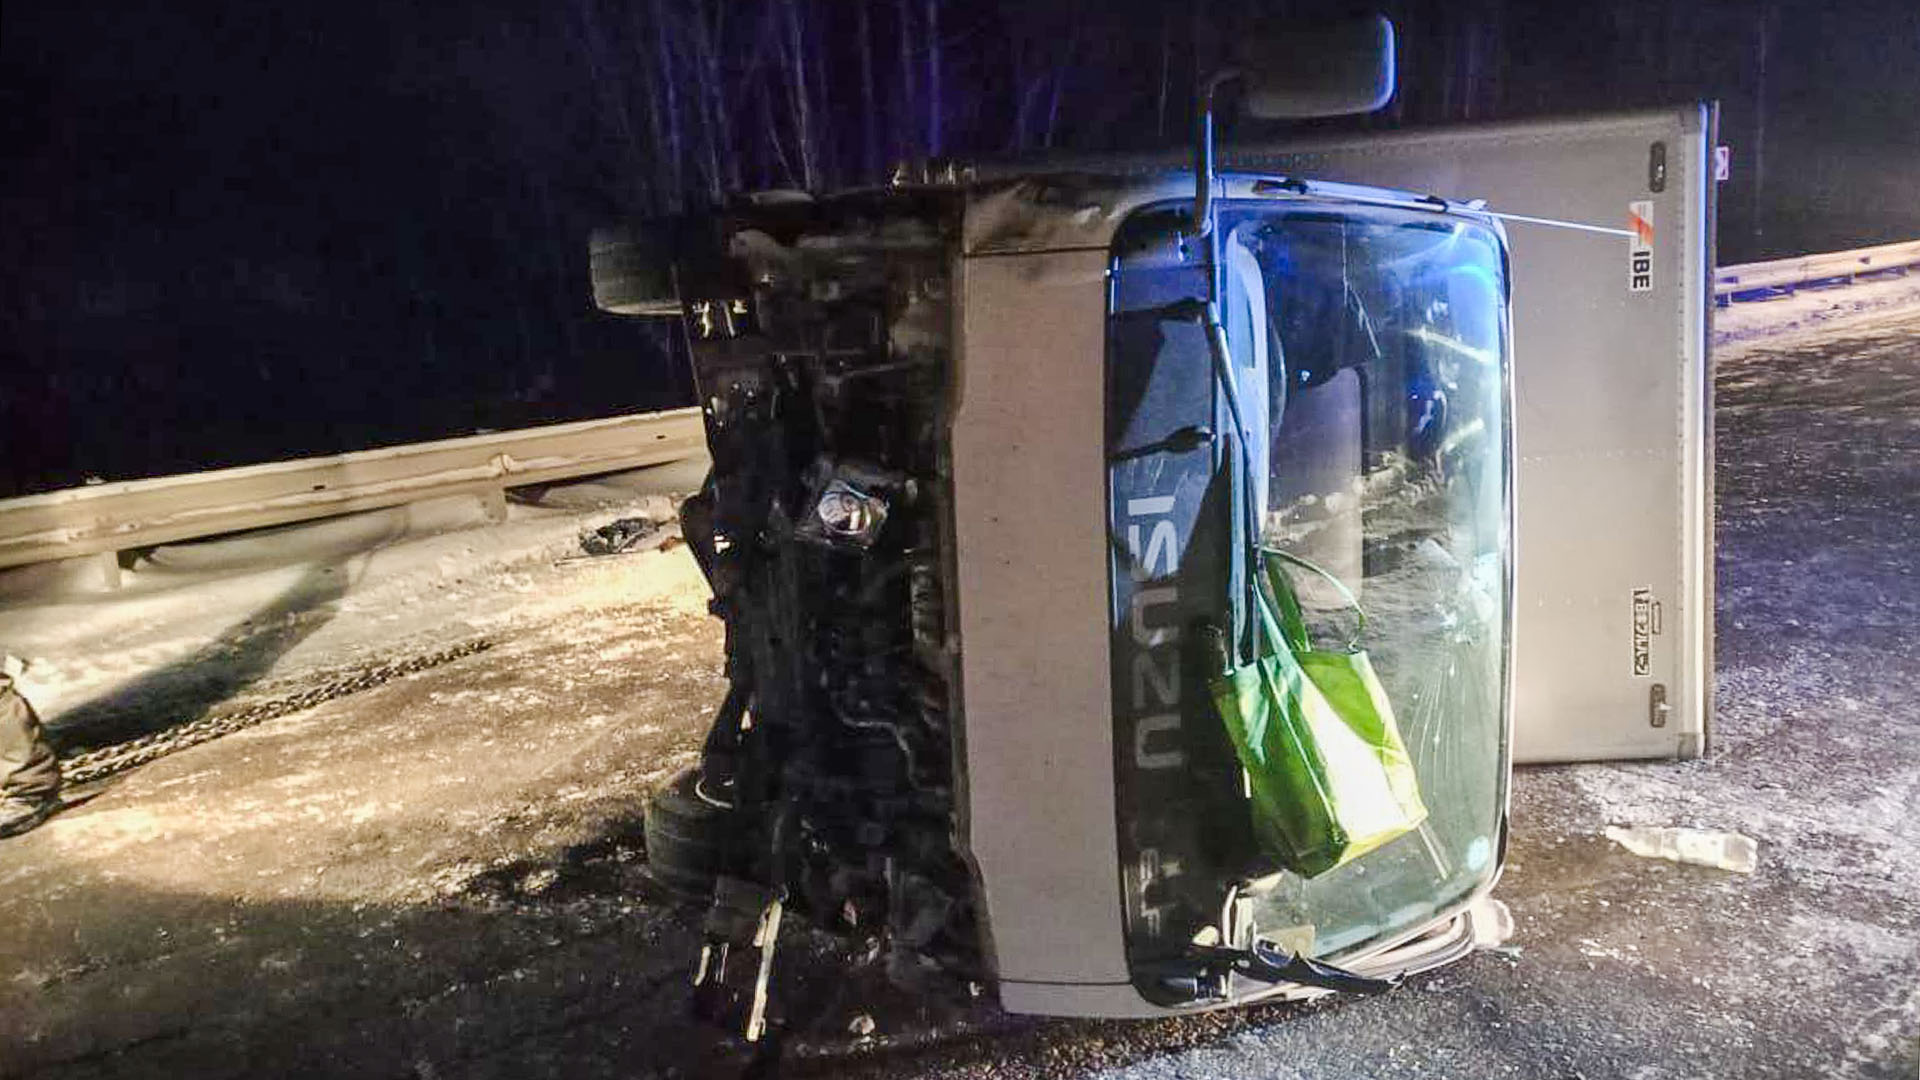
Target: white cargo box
{"type": "Point", "coordinates": [1613, 641]}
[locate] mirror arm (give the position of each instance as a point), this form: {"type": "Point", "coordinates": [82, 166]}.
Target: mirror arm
{"type": "Point", "coordinates": [1212, 323]}
{"type": "Point", "coordinates": [1203, 152]}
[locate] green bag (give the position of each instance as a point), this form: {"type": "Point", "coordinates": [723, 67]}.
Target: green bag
{"type": "Point", "coordinates": [1329, 776]}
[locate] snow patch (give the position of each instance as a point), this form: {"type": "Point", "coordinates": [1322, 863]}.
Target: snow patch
{"type": "Point", "coordinates": [1812, 311]}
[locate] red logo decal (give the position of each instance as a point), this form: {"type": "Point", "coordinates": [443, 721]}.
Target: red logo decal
{"type": "Point", "coordinates": [1642, 229]}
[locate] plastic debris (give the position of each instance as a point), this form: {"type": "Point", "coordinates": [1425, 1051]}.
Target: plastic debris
{"type": "Point", "coordinates": [1492, 923]}
{"type": "Point", "coordinates": [615, 537]}
{"type": "Point", "coordinates": [1698, 847]}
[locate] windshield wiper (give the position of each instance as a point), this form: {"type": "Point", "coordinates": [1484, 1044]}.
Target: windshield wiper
{"type": "Point", "coordinates": [1191, 437]}
{"type": "Point", "coordinates": [1266, 964]}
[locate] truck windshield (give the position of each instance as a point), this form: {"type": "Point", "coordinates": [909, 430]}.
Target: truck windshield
{"type": "Point", "coordinates": [1371, 355]}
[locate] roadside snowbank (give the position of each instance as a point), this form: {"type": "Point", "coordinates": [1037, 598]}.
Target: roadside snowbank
{"type": "Point", "coordinates": [195, 622]}
{"type": "Point", "coordinates": [1824, 310]}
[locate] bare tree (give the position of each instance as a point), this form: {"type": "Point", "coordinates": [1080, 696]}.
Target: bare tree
{"type": "Point", "coordinates": [794, 59]}
{"type": "Point", "coordinates": [935, 106]}
{"type": "Point", "coordinates": [870, 159]}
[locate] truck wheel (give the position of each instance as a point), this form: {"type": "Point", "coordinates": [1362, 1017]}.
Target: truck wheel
{"type": "Point", "coordinates": [685, 834]}
{"type": "Point", "coordinates": [632, 273]}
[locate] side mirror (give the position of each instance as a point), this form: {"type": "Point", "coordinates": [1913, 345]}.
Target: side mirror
{"type": "Point", "coordinates": [1335, 69]}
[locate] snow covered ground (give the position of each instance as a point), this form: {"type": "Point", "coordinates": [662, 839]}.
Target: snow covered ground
{"type": "Point", "coordinates": [438, 876]}
{"type": "Point", "coordinates": [267, 606]}
{"type": "Point", "coordinates": [1813, 309]}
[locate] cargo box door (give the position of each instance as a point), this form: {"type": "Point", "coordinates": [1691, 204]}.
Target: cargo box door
{"type": "Point", "coordinates": [1612, 410]}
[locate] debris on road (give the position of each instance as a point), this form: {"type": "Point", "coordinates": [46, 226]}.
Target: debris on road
{"type": "Point", "coordinates": [1698, 847]}
{"type": "Point", "coordinates": [105, 761]}
{"type": "Point", "coordinates": [625, 536]}
{"type": "Point", "coordinates": [621, 536]}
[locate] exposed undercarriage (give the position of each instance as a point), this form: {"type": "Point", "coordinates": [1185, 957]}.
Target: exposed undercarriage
{"type": "Point", "coordinates": [827, 786]}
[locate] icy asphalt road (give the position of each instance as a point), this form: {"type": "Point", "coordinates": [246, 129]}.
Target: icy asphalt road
{"type": "Point", "coordinates": [436, 878]}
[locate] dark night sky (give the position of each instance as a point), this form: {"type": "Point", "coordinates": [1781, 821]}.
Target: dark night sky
{"type": "Point", "coordinates": [242, 231]}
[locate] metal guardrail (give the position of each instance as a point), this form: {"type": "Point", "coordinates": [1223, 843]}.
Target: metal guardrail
{"type": "Point", "coordinates": [1764, 279]}
{"type": "Point", "coordinates": [142, 513]}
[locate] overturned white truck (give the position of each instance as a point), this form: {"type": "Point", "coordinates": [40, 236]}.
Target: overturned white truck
{"type": "Point", "coordinates": [1133, 569]}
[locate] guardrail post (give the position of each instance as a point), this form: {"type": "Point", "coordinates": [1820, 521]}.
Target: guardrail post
{"type": "Point", "coordinates": [493, 502]}
{"type": "Point", "coordinates": [109, 566]}
{"type": "Point", "coordinates": [99, 570]}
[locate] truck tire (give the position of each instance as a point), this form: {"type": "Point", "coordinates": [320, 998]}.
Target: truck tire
{"type": "Point", "coordinates": [632, 273]}
{"type": "Point", "coordinates": [685, 834]}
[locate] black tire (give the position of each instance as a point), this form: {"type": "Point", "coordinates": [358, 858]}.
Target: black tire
{"type": "Point", "coordinates": [632, 273]}
{"type": "Point", "coordinates": [685, 838]}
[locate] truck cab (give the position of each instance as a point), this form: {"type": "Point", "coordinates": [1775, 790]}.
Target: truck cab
{"type": "Point", "coordinates": [999, 456]}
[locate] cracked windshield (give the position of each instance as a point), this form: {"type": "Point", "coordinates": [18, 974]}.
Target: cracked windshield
{"type": "Point", "coordinates": [1370, 347]}
{"type": "Point", "coordinates": [1384, 352]}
